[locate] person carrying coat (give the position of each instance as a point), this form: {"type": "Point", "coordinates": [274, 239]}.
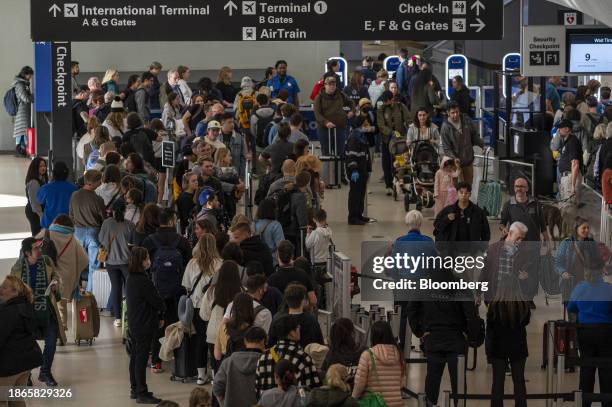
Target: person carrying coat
{"type": "Point", "coordinates": [24, 98]}
{"type": "Point", "coordinates": [19, 351]}
{"type": "Point", "coordinates": [358, 169]}
{"type": "Point", "coordinates": [71, 259]}
{"type": "Point", "coordinates": [38, 271]}
{"type": "Point", "coordinates": [392, 116]}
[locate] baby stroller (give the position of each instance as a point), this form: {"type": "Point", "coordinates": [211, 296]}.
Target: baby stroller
{"type": "Point", "coordinates": [415, 169]}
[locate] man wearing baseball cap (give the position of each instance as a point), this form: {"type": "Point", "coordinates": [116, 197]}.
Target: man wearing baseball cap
{"type": "Point", "coordinates": [38, 272]}
{"type": "Point", "coordinates": [569, 162]}
{"type": "Point", "coordinates": [212, 134]}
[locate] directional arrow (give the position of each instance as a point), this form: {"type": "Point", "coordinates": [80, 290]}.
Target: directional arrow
{"type": "Point", "coordinates": [480, 26]}
{"type": "Point", "coordinates": [478, 5]}
{"type": "Point", "coordinates": [55, 9]}
{"type": "Point", "coordinates": [230, 6]}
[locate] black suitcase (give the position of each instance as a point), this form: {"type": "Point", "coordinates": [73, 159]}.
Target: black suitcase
{"type": "Point", "coordinates": [332, 163]}
{"type": "Point", "coordinates": [184, 367]}
{"type": "Point", "coordinates": [565, 341]}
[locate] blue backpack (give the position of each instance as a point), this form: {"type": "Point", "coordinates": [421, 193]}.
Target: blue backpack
{"type": "Point", "coordinates": [11, 104]}
{"type": "Point", "coordinates": [167, 269]}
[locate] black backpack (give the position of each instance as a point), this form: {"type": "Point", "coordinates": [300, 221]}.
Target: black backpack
{"type": "Point", "coordinates": [283, 205]}
{"type": "Point", "coordinates": [167, 269]}
{"type": "Point", "coordinates": [48, 247]}
{"type": "Point", "coordinates": [130, 102]}
{"type": "Point", "coordinates": [264, 187]}
{"type": "Point", "coordinates": [235, 337]}
{"type": "Point", "coordinates": [264, 124]}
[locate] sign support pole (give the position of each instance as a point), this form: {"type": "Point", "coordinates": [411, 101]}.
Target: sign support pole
{"type": "Point", "coordinates": [61, 133]}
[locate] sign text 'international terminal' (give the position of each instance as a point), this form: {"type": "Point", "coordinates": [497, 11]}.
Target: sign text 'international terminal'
{"type": "Point", "coordinates": [265, 20]}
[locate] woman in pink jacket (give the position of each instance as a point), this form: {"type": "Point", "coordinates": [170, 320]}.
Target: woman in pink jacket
{"type": "Point", "coordinates": [381, 368]}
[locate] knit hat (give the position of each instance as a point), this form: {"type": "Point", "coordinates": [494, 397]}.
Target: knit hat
{"type": "Point", "coordinates": [117, 105]}
{"type": "Point", "coordinates": [363, 102]}
{"type": "Point", "coordinates": [317, 352]}
{"type": "Point", "coordinates": [185, 311]}
{"type": "Point", "coordinates": [205, 196]}
{"type": "Point", "coordinates": [246, 82]}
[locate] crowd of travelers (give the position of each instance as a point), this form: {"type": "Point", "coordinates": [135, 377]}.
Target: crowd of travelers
{"type": "Point", "coordinates": [255, 285]}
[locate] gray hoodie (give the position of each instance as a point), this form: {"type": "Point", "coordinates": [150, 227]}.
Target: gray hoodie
{"type": "Point", "coordinates": [278, 398]}
{"type": "Point", "coordinates": [235, 380]}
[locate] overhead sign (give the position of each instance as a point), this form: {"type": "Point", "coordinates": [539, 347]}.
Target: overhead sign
{"type": "Point", "coordinates": [589, 51]}
{"type": "Point", "coordinates": [456, 65]}
{"type": "Point", "coordinates": [543, 50]}
{"type": "Point", "coordinates": [168, 158]}
{"type": "Point", "coordinates": [570, 17]}
{"type": "Point", "coordinates": [264, 20]}
{"type": "Point", "coordinates": [42, 79]}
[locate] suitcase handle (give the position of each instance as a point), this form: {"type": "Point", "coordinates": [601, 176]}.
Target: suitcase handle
{"type": "Point", "coordinates": [485, 167]}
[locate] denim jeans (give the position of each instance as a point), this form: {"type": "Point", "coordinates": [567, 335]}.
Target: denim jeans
{"type": "Point", "coordinates": [88, 238]}
{"type": "Point", "coordinates": [118, 276]}
{"type": "Point", "coordinates": [51, 335]}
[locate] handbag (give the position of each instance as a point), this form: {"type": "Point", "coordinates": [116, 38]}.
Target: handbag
{"type": "Point", "coordinates": [371, 398]}
{"type": "Point", "coordinates": [103, 252]}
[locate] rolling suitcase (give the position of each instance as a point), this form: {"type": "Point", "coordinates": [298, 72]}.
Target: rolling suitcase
{"type": "Point", "coordinates": [332, 170]}
{"type": "Point", "coordinates": [565, 340]}
{"type": "Point", "coordinates": [184, 367]}
{"type": "Point", "coordinates": [101, 288]}
{"type": "Point", "coordinates": [489, 192]}
{"type": "Point", "coordinates": [85, 319]}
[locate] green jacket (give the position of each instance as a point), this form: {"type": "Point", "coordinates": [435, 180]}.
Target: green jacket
{"type": "Point", "coordinates": [331, 108]}
{"type": "Point", "coordinates": [393, 117]}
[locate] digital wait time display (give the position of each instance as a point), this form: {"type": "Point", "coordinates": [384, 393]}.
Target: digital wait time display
{"type": "Point", "coordinates": [589, 52]}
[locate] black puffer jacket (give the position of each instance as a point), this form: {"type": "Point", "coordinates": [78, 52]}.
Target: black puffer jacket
{"type": "Point", "coordinates": [145, 306]}
{"type": "Point", "coordinates": [18, 348]}
{"type": "Point", "coordinates": [254, 248]}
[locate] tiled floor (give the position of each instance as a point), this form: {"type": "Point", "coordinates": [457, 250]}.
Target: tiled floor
{"type": "Point", "coordinates": [98, 375]}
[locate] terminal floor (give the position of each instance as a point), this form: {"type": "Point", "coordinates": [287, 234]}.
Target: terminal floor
{"type": "Point", "coordinates": [98, 375]}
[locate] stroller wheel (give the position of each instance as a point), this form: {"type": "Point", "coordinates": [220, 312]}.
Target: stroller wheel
{"type": "Point", "coordinates": [407, 202]}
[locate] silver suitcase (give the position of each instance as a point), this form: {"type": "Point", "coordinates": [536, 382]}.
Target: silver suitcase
{"type": "Point", "coordinates": [101, 288]}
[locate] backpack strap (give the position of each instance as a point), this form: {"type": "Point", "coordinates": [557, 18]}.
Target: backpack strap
{"type": "Point", "coordinates": [258, 309]}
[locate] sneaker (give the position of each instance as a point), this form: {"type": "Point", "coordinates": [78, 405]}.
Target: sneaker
{"type": "Point", "coordinates": [133, 395]}
{"type": "Point", "coordinates": [368, 220]}
{"type": "Point", "coordinates": [148, 398]}
{"type": "Point", "coordinates": [156, 368]}
{"type": "Point", "coordinates": [117, 323]}
{"type": "Point", "coordinates": [389, 191]}
{"type": "Point", "coordinates": [202, 381]}
{"type": "Point", "coordinates": [48, 379]}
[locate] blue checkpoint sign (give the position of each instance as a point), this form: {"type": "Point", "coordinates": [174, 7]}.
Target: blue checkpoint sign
{"type": "Point", "coordinates": [343, 72]}
{"type": "Point", "coordinates": [391, 63]}
{"type": "Point", "coordinates": [511, 62]}
{"type": "Point", "coordinates": [42, 77]}
{"type": "Point", "coordinates": [456, 65]}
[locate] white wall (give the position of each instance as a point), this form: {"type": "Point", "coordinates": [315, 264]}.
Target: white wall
{"type": "Point", "coordinates": [305, 59]}
{"type": "Point", "coordinates": [17, 50]}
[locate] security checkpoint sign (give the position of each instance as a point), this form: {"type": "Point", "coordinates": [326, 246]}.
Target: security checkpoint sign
{"type": "Point", "coordinates": [168, 158]}
{"type": "Point", "coordinates": [265, 20]}
{"type": "Point", "coordinates": [543, 50]}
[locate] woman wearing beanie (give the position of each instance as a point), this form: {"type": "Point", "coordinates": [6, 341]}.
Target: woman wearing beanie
{"type": "Point", "coordinates": [115, 121]}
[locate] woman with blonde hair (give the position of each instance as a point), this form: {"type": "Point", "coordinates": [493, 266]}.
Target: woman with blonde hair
{"type": "Point", "coordinates": [110, 82]}
{"type": "Point", "coordinates": [19, 351]}
{"type": "Point", "coordinates": [224, 85]}
{"type": "Point", "coordinates": [199, 274]}
{"type": "Point", "coordinates": [336, 392]}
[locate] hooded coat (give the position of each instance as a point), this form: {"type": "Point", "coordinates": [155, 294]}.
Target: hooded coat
{"type": "Point", "coordinates": [24, 106]}
{"type": "Point", "coordinates": [235, 378]}
{"type": "Point", "coordinates": [72, 261]}
{"type": "Point", "coordinates": [384, 376]}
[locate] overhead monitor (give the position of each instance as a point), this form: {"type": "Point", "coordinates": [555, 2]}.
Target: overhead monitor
{"type": "Point", "coordinates": [589, 51]}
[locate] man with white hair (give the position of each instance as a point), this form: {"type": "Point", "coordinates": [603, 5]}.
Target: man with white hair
{"type": "Point", "coordinates": [527, 210]}
{"type": "Point", "coordinates": [171, 86]}
{"type": "Point", "coordinates": [414, 243]}
{"type": "Point", "coordinates": [506, 260]}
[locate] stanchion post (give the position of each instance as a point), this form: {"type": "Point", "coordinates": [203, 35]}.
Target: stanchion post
{"type": "Point", "coordinates": [578, 398]}
{"type": "Point", "coordinates": [560, 374]}
{"type": "Point", "coordinates": [422, 400]}
{"type": "Point", "coordinates": [447, 398]}
{"type": "Point", "coordinates": [461, 379]}
{"type": "Point", "coordinates": [550, 360]}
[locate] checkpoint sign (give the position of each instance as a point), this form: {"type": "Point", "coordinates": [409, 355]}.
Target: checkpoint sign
{"type": "Point", "coordinates": [265, 20]}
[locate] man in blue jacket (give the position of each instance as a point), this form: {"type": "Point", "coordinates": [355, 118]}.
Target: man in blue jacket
{"type": "Point", "coordinates": [55, 196]}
